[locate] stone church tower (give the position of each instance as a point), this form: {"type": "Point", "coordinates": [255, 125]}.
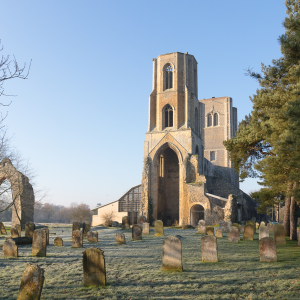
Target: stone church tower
{"type": "Point", "coordinates": [187, 173]}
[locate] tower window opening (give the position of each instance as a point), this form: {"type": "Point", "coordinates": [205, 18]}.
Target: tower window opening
{"type": "Point", "coordinates": [209, 120]}
{"type": "Point", "coordinates": [212, 155]}
{"type": "Point", "coordinates": [169, 77]}
{"type": "Point", "coordinates": [168, 116]}
{"type": "Point", "coordinates": [216, 119]}
{"type": "Point", "coordinates": [196, 121]}
{"type": "Point", "coordinates": [197, 150]}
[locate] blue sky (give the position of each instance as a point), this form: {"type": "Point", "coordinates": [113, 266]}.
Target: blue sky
{"type": "Point", "coordinates": [82, 114]}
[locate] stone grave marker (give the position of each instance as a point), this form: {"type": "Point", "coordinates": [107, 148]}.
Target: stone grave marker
{"type": "Point", "coordinates": [10, 249]}
{"type": "Point", "coordinates": [47, 234]}
{"type": "Point", "coordinates": [146, 228]}
{"type": "Point", "coordinates": [92, 236]}
{"type": "Point", "coordinates": [201, 229]}
{"type": "Point", "coordinates": [58, 241]}
{"type": "Point", "coordinates": [39, 243]}
{"type": "Point", "coordinates": [209, 249]}
{"type": "Point", "coordinates": [210, 230]}
{"type": "Point", "coordinates": [172, 254]}
{"type": "Point", "coordinates": [256, 225]}
{"type": "Point", "coordinates": [248, 233]}
{"type": "Point", "coordinates": [94, 271]}
{"type": "Point", "coordinates": [263, 232]}
{"type": "Point", "coordinates": [18, 226]}
{"type": "Point", "coordinates": [267, 248]}
{"type": "Point", "coordinates": [262, 223]}
{"type": "Point", "coordinates": [14, 232]}
{"type": "Point", "coordinates": [201, 222]}
{"type": "Point", "coordinates": [238, 227]}
{"type": "Point", "coordinates": [76, 226]}
{"type": "Point", "coordinates": [225, 226]}
{"type": "Point", "coordinates": [242, 228]}
{"type": "Point", "coordinates": [136, 232]}
{"type": "Point", "coordinates": [159, 228]}
{"type": "Point", "coordinates": [86, 227]}
{"type": "Point", "coordinates": [251, 223]}
{"type": "Point", "coordinates": [77, 239]}
{"type": "Point", "coordinates": [120, 237]}
{"type": "Point", "coordinates": [233, 235]}
{"type": "Point", "coordinates": [29, 229]}
{"type": "Point", "coordinates": [270, 227]}
{"type": "Point", "coordinates": [218, 233]}
{"type": "Point", "coordinates": [125, 222]}
{"type": "Point", "coordinates": [279, 234]}
{"type": "Point", "coordinates": [2, 228]}
{"type": "Point", "coordinates": [32, 283]}
{"type": "Point", "coordinates": [141, 220]}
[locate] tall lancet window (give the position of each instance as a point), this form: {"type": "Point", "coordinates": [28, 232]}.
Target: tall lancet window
{"type": "Point", "coordinates": [168, 116]}
{"type": "Point", "coordinates": [169, 77]}
{"type": "Point", "coordinates": [209, 120]}
{"type": "Point", "coordinates": [196, 121]}
{"type": "Point", "coordinates": [216, 119]}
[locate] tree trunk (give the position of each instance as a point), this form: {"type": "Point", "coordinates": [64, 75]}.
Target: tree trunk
{"type": "Point", "coordinates": [293, 220]}
{"type": "Point", "coordinates": [286, 222]}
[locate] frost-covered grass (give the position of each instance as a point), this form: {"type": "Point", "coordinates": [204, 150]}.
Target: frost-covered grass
{"type": "Point", "coordinates": [134, 270]}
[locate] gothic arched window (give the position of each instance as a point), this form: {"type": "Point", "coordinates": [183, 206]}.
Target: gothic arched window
{"type": "Point", "coordinates": [216, 119]}
{"type": "Point", "coordinates": [169, 77]}
{"type": "Point", "coordinates": [197, 150]}
{"type": "Point", "coordinates": [168, 116]}
{"type": "Point", "coordinates": [209, 120]}
{"type": "Point", "coordinates": [196, 121]}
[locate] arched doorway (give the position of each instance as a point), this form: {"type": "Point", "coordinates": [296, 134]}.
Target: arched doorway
{"type": "Point", "coordinates": [197, 214]}
{"type": "Point", "coordinates": [168, 187]}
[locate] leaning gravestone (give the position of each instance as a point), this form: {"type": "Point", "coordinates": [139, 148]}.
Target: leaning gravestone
{"type": "Point", "coordinates": [159, 228]}
{"type": "Point", "coordinates": [32, 283]}
{"type": "Point", "coordinates": [136, 232]}
{"type": "Point", "coordinates": [146, 228]}
{"type": "Point", "coordinates": [86, 227]}
{"type": "Point", "coordinates": [18, 226]}
{"type": "Point", "coordinates": [270, 227]}
{"type": "Point", "coordinates": [225, 226]}
{"type": "Point", "coordinates": [218, 233]}
{"type": "Point", "coordinates": [58, 241]}
{"type": "Point", "coordinates": [14, 232]}
{"type": "Point", "coordinates": [10, 249]}
{"type": "Point", "coordinates": [201, 229]}
{"type": "Point", "coordinates": [120, 237]}
{"type": "Point", "coordinates": [77, 239]}
{"type": "Point", "coordinates": [172, 254]}
{"type": "Point", "coordinates": [248, 233]}
{"type": "Point", "coordinates": [29, 229]}
{"type": "Point", "coordinates": [47, 234]}
{"type": "Point", "coordinates": [210, 231]}
{"type": "Point", "coordinates": [262, 223]}
{"type": "Point", "coordinates": [2, 229]}
{"type": "Point", "coordinates": [92, 236]}
{"type": "Point", "coordinates": [279, 234]}
{"type": "Point", "coordinates": [267, 248]}
{"type": "Point", "coordinates": [94, 271]}
{"type": "Point", "coordinates": [125, 222]}
{"type": "Point", "coordinates": [39, 243]}
{"type": "Point", "coordinates": [201, 222]}
{"type": "Point", "coordinates": [233, 235]}
{"type": "Point", "coordinates": [263, 232]}
{"type": "Point", "coordinates": [76, 226]}
{"type": "Point", "coordinates": [209, 249]}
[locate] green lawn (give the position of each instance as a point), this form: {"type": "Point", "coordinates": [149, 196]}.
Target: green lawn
{"type": "Point", "coordinates": [134, 270]}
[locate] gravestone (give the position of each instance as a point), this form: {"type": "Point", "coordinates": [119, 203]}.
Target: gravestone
{"type": "Point", "coordinates": [77, 239]}
{"type": "Point", "coordinates": [233, 235]}
{"type": "Point", "coordinates": [141, 220]}
{"type": "Point", "coordinates": [159, 228]}
{"type": "Point", "coordinates": [242, 228]}
{"type": "Point", "coordinates": [136, 232]}
{"type": "Point", "coordinates": [270, 227]}
{"type": "Point", "coordinates": [47, 234]}
{"type": "Point", "coordinates": [237, 225]}
{"type": "Point", "coordinates": [279, 234]}
{"type": "Point", "coordinates": [92, 236]}
{"type": "Point", "coordinates": [14, 232]}
{"type": "Point", "coordinates": [18, 226]}
{"type": "Point", "coordinates": [76, 226]}
{"type": "Point", "coordinates": [29, 229]}
{"type": "Point", "coordinates": [218, 233]}
{"type": "Point", "coordinates": [2, 229]}
{"type": "Point", "coordinates": [248, 233]}
{"type": "Point", "coordinates": [225, 226]}
{"type": "Point", "coordinates": [86, 227]}
{"type": "Point", "coordinates": [256, 225]}
{"type": "Point", "coordinates": [10, 249]}
{"type": "Point", "coordinates": [201, 222]}
{"type": "Point", "coordinates": [210, 231]}
{"type": "Point", "coordinates": [251, 223]}
{"type": "Point", "coordinates": [267, 248]}
{"type": "Point", "coordinates": [94, 272]}
{"type": "Point", "coordinates": [262, 223]}
{"type": "Point", "coordinates": [120, 237]}
{"type": "Point", "coordinates": [125, 222]}
{"type": "Point", "coordinates": [58, 241]}
{"type": "Point", "coordinates": [209, 249]}
{"type": "Point", "coordinates": [263, 232]}
{"type": "Point", "coordinates": [146, 228]}
{"type": "Point", "coordinates": [32, 283]}
{"type": "Point", "coordinates": [39, 243]}
{"type": "Point", "coordinates": [172, 254]}
{"type": "Point", "coordinates": [201, 229]}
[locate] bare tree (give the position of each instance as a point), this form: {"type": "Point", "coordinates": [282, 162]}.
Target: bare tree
{"type": "Point", "coordinates": [108, 217]}
{"type": "Point", "coordinates": [81, 212]}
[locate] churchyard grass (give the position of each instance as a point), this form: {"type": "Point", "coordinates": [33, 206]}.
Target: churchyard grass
{"type": "Point", "coordinates": [134, 269]}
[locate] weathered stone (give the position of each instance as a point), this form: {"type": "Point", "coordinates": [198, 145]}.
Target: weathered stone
{"type": "Point", "coordinates": [47, 234]}
{"type": "Point", "coordinates": [125, 222]}
{"type": "Point", "coordinates": [77, 239]}
{"type": "Point", "coordinates": [209, 249]}
{"type": "Point", "coordinates": [39, 243]}
{"type": "Point", "coordinates": [210, 230]}
{"type": "Point", "coordinates": [146, 228]}
{"type": "Point", "coordinates": [251, 223]}
{"type": "Point", "coordinates": [230, 209]}
{"type": "Point", "coordinates": [256, 225]}
{"type": "Point", "coordinates": [76, 225]}
{"type": "Point", "coordinates": [86, 227]}
{"type": "Point", "coordinates": [136, 232]}
{"type": "Point", "coordinates": [141, 220]}
{"type": "Point", "coordinates": [242, 228]}
{"type": "Point", "coordinates": [172, 254]}
{"type": "Point", "coordinates": [279, 234]}
{"type": "Point", "coordinates": [237, 225]}
{"type": "Point", "coordinates": [32, 283]}
{"type": "Point", "coordinates": [159, 228]}
{"type": "Point", "coordinates": [2, 229]}
{"type": "Point", "coordinates": [94, 271]}
{"type": "Point", "coordinates": [201, 222]}
{"type": "Point", "coordinates": [10, 249]}
{"type": "Point", "coordinates": [218, 233]}
{"type": "Point", "coordinates": [29, 229]}
{"type": "Point", "coordinates": [225, 226]}
{"type": "Point", "coordinates": [233, 235]}
{"type": "Point", "coordinates": [267, 248]}
{"type": "Point", "coordinates": [270, 227]}
{"type": "Point", "coordinates": [14, 232]}
{"type": "Point", "coordinates": [249, 233]}
{"type": "Point", "coordinates": [263, 232]}
{"type": "Point", "coordinates": [58, 241]}
{"type": "Point", "coordinates": [18, 226]}
{"type": "Point", "coordinates": [120, 237]}
{"type": "Point", "coordinates": [92, 236]}
{"type": "Point", "coordinates": [201, 229]}
{"type": "Point", "coordinates": [262, 223]}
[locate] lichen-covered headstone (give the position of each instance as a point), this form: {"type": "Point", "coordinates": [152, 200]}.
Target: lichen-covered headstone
{"type": "Point", "coordinates": [263, 232]}
{"type": "Point", "coordinates": [256, 225]}
{"type": "Point", "coordinates": [159, 228]}
{"type": "Point", "coordinates": [209, 249]}
{"type": "Point", "coordinates": [77, 239]}
{"type": "Point", "coordinates": [201, 222]}
{"type": "Point", "coordinates": [172, 254]}
{"type": "Point", "coordinates": [201, 229]}
{"type": "Point", "coordinates": [218, 233]}
{"type": "Point", "coordinates": [267, 248]}
{"type": "Point", "coordinates": [94, 271]}
{"type": "Point", "coordinates": [10, 249]}
{"type": "Point", "coordinates": [233, 235]}
{"type": "Point", "coordinates": [136, 232]}
{"type": "Point", "coordinates": [47, 234]}
{"type": "Point", "coordinates": [270, 227]}
{"type": "Point", "coordinates": [210, 230]}
{"type": "Point", "coordinates": [225, 225]}
{"type": "Point", "coordinates": [58, 241]}
{"type": "Point", "coordinates": [92, 236]}
{"type": "Point", "coordinates": [14, 232]}
{"type": "Point", "coordinates": [242, 228]}
{"type": "Point", "coordinates": [18, 226]}
{"type": "Point", "coordinates": [279, 234]}
{"type": "Point", "coordinates": [262, 223]}
{"type": "Point", "coordinates": [29, 229]}
{"type": "Point", "coordinates": [125, 222]}
{"type": "Point", "coordinates": [86, 227]}
{"type": "Point", "coordinates": [238, 227]}
{"type": "Point", "coordinates": [2, 229]}
{"type": "Point", "coordinates": [32, 283]}
{"type": "Point", "coordinates": [251, 223]}
{"type": "Point", "coordinates": [120, 237]}
{"type": "Point", "coordinates": [141, 220]}
{"type": "Point", "coordinates": [146, 228]}
{"type": "Point", "coordinates": [39, 243]}
{"type": "Point", "coordinates": [76, 226]}
{"type": "Point", "coordinates": [249, 233]}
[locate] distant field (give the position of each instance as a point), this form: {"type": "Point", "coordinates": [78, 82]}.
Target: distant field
{"type": "Point", "coordinates": [134, 270]}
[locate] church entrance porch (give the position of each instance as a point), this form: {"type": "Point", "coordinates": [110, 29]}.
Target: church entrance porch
{"type": "Point", "coordinates": [197, 214]}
